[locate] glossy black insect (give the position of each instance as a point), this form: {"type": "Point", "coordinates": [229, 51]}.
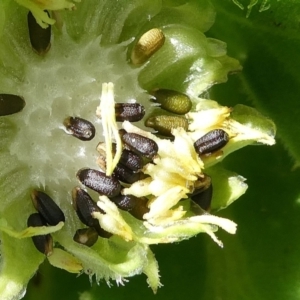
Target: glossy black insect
{"type": "Point", "coordinates": [86, 236]}
{"type": "Point", "coordinates": [203, 197]}
{"type": "Point", "coordinates": [99, 182]}
{"type": "Point", "coordinates": [212, 141]}
{"type": "Point", "coordinates": [42, 243]}
{"type": "Point", "coordinates": [172, 101]}
{"type": "Point", "coordinates": [45, 205]}
{"type": "Point", "coordinates": [164, 124]}
{"type": "Point", "coordinates": [84, 207]}
{"type": "Point", "coordinates": [137, 207]}
{"type": "Point", "coordinates": [128, 158]}
{"type": "Point", "coordinates": [11, 104]}
{"type": "Point", "coordinates": [139, 144]}
{"type": "Point", "coordinates": [126, 175]}
{"type": "Point", "coordinates": [80, 128]}
{"type": "Point", "coordinates": [131, 160]}
{"type": "Point", "coordinates": [39, 37]}
{"type": "Point", "coordinates": [131, 112]}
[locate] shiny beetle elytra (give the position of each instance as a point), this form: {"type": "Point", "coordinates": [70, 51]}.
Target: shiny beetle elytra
{"type": "Point", "coordinates": [39, 37]}
{"type": "Point", "coordinates": [128, 158]}
{"type": "Point", "coordinates": [86, 236]}
{"type": "Point", "coordinates": [137, 207]}
{"type": "Point", "coordinates": [84, 207]}
{"type": "Point", "coordinates": [99, 182]}
{"type": "Point", "coordinates": [139, 144]}
{"type": "Point", "coordinates": [132, 112]}
{"type": "Point", "coordinates": [45, 205]}
{"type": "Point", "coordinates": [203, 197]}
{"type": "Point", "coordinates": [42, 243]}
{"type": "Point", "coordinates": [126, 175]}
{"type": "Point", "coordinates": [80, 128]}
{"type": "Point", "coordinates": [131, 160]}
{"type": "Point", "coordinates": [213, 141]}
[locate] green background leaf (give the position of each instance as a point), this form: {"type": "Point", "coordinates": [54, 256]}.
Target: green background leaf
{"type": "Point", "coordinates": [262, 260]}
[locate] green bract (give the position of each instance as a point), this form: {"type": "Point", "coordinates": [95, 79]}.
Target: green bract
{"type": "Point", "coordinates": [90, 47]}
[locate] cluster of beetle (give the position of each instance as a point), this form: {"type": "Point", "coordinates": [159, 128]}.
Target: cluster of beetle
{"type": "Point", "coordinates": [138, 150]}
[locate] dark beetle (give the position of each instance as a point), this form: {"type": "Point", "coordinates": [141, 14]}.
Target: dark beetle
{"type": "Point", "coordinates": [39, 37]}
{"type": "Point", "coordinates": [131, 160]}
{"type": "Point", "coordinates": [137, 207]}
{"type": "Point", "coordinates": [10, 104]}
{"type": "Point", "coordinates": [42, 243]}
{"type": "Point", "coordinates": [45, 205]}
{"type": "Point", "coordinates": [203, 197]}
{"type": "Point", "coordinates": [126, 175]}
{"type": "Point", "coordinates": [99, 182]}
{"type": "Point", "coordinates": [212, 141]}
{"type": "Point", "coordinates": [86, 236]}
{"type": "Point", "coordinates": [121, 172]}
{"type": "Point", "coordinates": [128, 158]}
{"type": "Point", "coordinates": [84, 207]}
{"type": "Point", "coordinates": [131, 112]}
{"type": "Point", "coordinates": [80, 128]}
{"type": "Point", "coordinates": [139, 144]}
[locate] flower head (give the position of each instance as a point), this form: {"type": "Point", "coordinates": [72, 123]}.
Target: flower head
{"type": "Point", "coordinates": [90, 62]}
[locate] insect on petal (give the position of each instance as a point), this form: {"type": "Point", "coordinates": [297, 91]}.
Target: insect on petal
{"type": "Point", "coordinates": [80, 128]}
{"type": "Point", "coordinates": [42, 243]}
{"type": "Point", "coordinates": [99, 182]}
{"type": "Point", "coordinates": [45, 205]}
{"type": "Point", "coordinates": [39, 37]}
{"type": "Point", "coordinates": [212, 141]}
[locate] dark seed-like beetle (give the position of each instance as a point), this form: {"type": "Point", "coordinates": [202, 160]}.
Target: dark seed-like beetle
{"type": "Point", "coordinates": [131, 160]}
{"type": "Point", "coordinates": [45, 205]}
{"type": "Point", "coordinates": [99, 182]}
{"type": "Point", "coordinates": [80, 128]}
{"type": "Point", "coordinates": [126, 175]}
{"type": "Point", "coordinates": [137, 207]}
{"type": "Point", "coordinates": [42, 243]}
{"type": "Point", "coordinates": [212, 141]}
{"type": "Point", "coordinates": [139, 144]}
{"type": "Point", "coordinates": [131, 112]}
{"type": "Point", "coordinates": [164, 124]}
{"type": "Point", "coordinates": [128, 158]}
{"type": "Point", "coordinates": [121, 172]}
{"type": "Point", "coordinates": [173, 101]}
{"type": "Point", "coordinates": [39, 37]}
{"type": "Point", "coordinates": [203, 196]}
{"type": "Point", "coordinates": [86, 236]}
{"type": "Point", "coordinates": [10, 104]}
{"type": "Point", "coordinates": [84, 207]}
